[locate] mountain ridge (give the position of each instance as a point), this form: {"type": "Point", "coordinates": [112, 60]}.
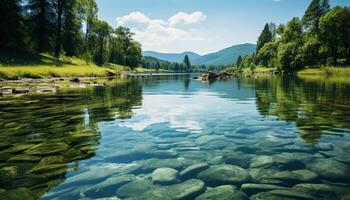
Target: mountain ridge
{"type": "Point", "coordinates": [225, 56]}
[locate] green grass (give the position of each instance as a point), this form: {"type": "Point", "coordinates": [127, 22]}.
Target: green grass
{"type": "Point", "coordinates": [339, 71]}
{"type": "Point", "coordinates": [25, 65]}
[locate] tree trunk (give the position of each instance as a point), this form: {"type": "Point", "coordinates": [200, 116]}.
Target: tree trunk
{"type": "Point", "coordinates": [59, 28]}
{"type": "Point", "coordinates": [42, 35]}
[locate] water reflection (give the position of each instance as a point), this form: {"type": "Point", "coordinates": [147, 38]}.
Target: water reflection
{"type": "Point", "coordinates": [44, 137]}
{"type": "Point", "coordinates": [90, 143]}
{"type": "Point", "coordinates": [317, 106]}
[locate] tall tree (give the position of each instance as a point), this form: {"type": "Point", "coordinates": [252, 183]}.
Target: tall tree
{"type": "Point", "coordinates": [335, 33]}
{"type": "Point", "coordinates": [265, 37]}
{"type": "Point", "coordinates": [72, 36]}
{"type": "Point", "coordinates": [313, 13]}
{"type": "Point", "coordinates": [89, 10]}
{"type": "Point", "coordinates": [187, 63]}
{"type": "Point", "coordinates": [41, 17]}
{"type": "Point", "coordinates": [239, 61]}
{"type": "Point", "coordinates": [102, 30]}
{"type": "Point", "coordinates": [59, 6]}
{"type": "Point", "coordinates": [11, 29]}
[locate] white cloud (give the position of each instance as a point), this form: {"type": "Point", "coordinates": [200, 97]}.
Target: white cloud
{"type": "Point", "coordinates": [183, 18]}
{"type": "Point", "coordinates": [162, 34]}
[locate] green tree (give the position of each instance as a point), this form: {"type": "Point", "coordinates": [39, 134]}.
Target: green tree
{"type": "Point", "coordinates": [313, 13]}
{"type": "Point", "coordinates": [102, 31]}
{"type": "Point", "coordinates": [72, 37]}
{"type": "Point", "coordinates": [265, 37]}
{"type": "Point", "coordinates": [289, 56]}
{"type": "Point", "coordinates": [239, 61]}
{"type": "Point", "coordinates": [187, 63]}
{"type": "Point", "coordinates": [11, 24]}
{"type": "Point", "coordinates": [40, 16]}
{"type": "Point", "coordinates": [335, 33]}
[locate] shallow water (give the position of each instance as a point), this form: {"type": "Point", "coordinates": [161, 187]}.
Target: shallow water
{"type": "Point", "coordinates": [257, 138]}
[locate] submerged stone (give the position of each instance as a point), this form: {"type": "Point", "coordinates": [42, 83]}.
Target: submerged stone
{"type": "Point", "coordinates": [165, 176]}
{"type": "Point", "coordinates": [224, 192]}
{"type": "Point", "coordinates": [252, 188]}
{"type": "Point", "coordinates": [19, 193]}
{"type": "Point", "coordinates": [186, 190]}
{"type": "Point", "coordinates": [193, 170]}
{"type": "Point", "coordinates": [152, 164]}
{"type": "Point", "coordinates": [316, 189]}
{"type": "Point", "coordinates": [182, 191]}
{"type": "Point", "coordinates": [47, 148]}
{"type": "Point", "coordinates": [109, 186]}
{"type": "Point", "coordinates": [262, 162]}
{"type": "Point", "coordinates": [224, 174]}
{"type": "Point", "coordinates": [330, 169]}
{"type": "Point", "coordinates": [282, 194]}
{"type": "Point", "coordinates": [134, 188]}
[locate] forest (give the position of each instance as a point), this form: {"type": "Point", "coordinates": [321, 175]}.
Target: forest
{"type": "Point", "coordinates": [320, 38]}
{"type": "Point", "coordinates": [65, 27]}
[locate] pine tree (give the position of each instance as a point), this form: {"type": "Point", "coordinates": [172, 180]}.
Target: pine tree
{"type": "Point", "coordinates": [313, 13]}
{"type": "Point", "coordinates": [187, 63]}
{"type": "Point", "coordinates": [265, 37]}
{"type": "Point", "coordinates": [42, 18]}
{"type": "Point", "coordinates": [11, 30]}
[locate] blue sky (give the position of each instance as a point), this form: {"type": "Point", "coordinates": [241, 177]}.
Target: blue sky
{"type": "Point", "coordinates": [201, 26]}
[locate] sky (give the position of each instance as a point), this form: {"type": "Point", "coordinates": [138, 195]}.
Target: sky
{"type": "Point", "coordinates": [201, 26]}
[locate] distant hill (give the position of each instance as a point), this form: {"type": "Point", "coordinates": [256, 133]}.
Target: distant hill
{"type": "Point", "coordinates": [222, 57]}
{"type": "Point", "coordinates": [171, 57]}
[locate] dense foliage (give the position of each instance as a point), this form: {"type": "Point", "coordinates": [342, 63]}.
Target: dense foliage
{"type": "Point", "coordinates": [320, 38]}
{"type": "Point", "coordinates": [56, 26]}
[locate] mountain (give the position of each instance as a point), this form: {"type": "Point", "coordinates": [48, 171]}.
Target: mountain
{"type": "Point", "coordinates": [225, 56]}
{"type": "Point", "coordinates": [171, 57]}
{"type": "Point", "coordinates": [222, 57]}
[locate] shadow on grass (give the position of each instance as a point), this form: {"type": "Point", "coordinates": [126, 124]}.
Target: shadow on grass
{"type": "Point", "coordinates": [11, 58]}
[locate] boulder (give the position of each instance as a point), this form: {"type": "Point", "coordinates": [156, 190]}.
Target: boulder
{"type": "Point", "coordinates": [224, 192]}
{"type": "Point", "coordinates": [193, 170]}
{"type": "Point", "coordinates": [165, 176]}
{"type": "Point", "coordinates": [224, 174]}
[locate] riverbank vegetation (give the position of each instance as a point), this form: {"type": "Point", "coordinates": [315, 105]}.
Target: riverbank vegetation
{"type": "Point", "coordinates": [319, 39]}
{"type": "Point", "coordinates": [63, 28]}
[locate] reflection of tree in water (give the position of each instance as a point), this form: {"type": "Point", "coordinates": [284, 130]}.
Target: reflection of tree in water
{"type": "Point", "coordinates": [316, 106]}
{"type": "Point", "coordinates": [42, 138]}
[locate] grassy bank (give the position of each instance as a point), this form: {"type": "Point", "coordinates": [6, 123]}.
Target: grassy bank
{"type": "Point", "coordinates": [44, 65]}
{"type": "Point", "coordinates": [17, 66]}
{"type": "Point", "coordinates": [339, 71]}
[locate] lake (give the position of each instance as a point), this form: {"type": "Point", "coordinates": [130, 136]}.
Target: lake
{"type": "Point", "coordinates": [171, 137]}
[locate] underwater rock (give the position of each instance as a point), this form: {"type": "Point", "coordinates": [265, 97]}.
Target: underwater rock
{"type": "Point", "coordinates": [330, 169]}
{"type": "Point", "coordinates": [315, 189]}
{"type": "Point", "coordinates": [165, 176]}
{"type": "Point", "coordinates": [282, 194]}
{"type": "Point", "coordinates": [193, 170]}
{"type": "Point", "coordinates": [154, 163]}
{"type": "Point", "coordinates": [19, 193]}
{"type": "Point", "coordinates": [24, 158]}
{"type": "Point", "coordinates": [292, 177]}
{"type": "Point", "coordinates": [238, 158]}
{"type": "Point", "coordinates": [261, 175]}
{"type": "Point", "coordinates": [262, 162]}
{"type": "Point", "coordinates": [109, 186]}
{"type": "Point", "coordinates": [224, 192]}
{"type": "Point", "coordinates": [133, 155]}
{"type": "Point", "coordinates": [39, 169]}
{"type": "Point", "coordinates": [252, 188]}
{"type": "Point", "coordinates": [224, 174]}
{"type": "Point", "coordinates": [134, 188]}
{"type": "Point", "coordinates": [47, 148]}
{"type": "Point", "coordinates": [182, 191]}
{"type": "Point", "coordinates": [186, 190]}
{"type": "Point", "coordinates": [99, 173]}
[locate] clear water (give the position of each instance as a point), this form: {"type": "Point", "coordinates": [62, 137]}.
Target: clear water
{"type": "Point", "coordinates": [288, 136]}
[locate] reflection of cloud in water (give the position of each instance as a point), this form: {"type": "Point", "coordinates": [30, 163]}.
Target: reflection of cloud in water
{"type": "Point", "coordinates": [183, 114]}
